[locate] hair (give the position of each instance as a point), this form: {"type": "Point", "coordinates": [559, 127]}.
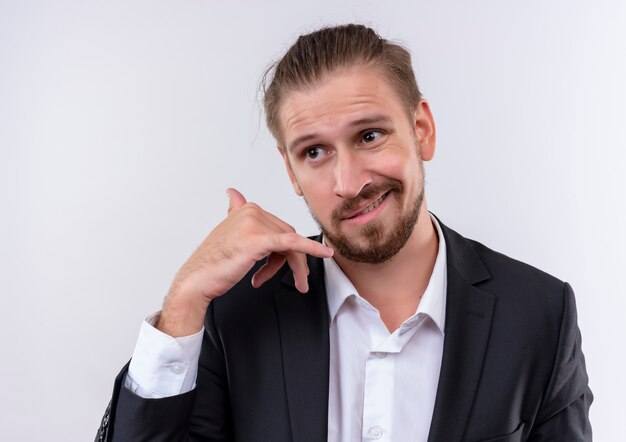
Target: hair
{"type": "Point", "coordinates": [328, 50]}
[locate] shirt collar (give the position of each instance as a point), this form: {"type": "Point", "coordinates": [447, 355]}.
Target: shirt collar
{"type": "Point", "coordinates": [433, 303]}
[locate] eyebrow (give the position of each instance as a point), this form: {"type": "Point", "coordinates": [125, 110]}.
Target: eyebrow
{"type": "Point", "coordinates": [374, 119]}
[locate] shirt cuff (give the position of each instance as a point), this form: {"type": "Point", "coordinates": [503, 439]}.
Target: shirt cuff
{"type": "Point", "coordinates": [163, 366]}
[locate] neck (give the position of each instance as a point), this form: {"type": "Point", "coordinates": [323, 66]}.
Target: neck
{"type": "Point", "coordinates": [396, 286]}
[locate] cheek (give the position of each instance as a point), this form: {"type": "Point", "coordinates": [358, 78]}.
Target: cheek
{"type": "Point", "coordinates": [317, 193]}
{"type": "Point", "coordinates": [394, 159]}
{"type": "Point", "coordinates": [396, 167]}
{"type": "Point", "coordinates": [406, 169]}
{"type": "Point", "coordinates": [314, 182]}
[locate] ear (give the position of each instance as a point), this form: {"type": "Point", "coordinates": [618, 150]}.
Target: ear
{"type": "Point", "coordinates": [425, 130]}
{"type": "Point", "coordinates": [292, 177]}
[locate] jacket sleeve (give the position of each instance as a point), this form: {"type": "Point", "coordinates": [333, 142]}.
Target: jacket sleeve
{"type": "Point", "coordinates": [202, 414]}
{"type": "Point", "coordinates": [564, 411]}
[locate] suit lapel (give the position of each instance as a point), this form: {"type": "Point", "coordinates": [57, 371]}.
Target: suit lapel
{"type": "Point", "coordinates": [303, 324]}
{"type": "Point", "coordinates": [468, 320]}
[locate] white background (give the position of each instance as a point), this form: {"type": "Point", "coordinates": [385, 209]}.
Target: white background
{"type": "Point", "coordinates": [122, 122]}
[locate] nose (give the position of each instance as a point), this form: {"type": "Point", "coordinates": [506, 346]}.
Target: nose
{"type": "Point", "coordinates": [350, 175]}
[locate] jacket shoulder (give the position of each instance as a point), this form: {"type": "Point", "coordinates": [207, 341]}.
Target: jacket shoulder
{"type": "Point", "coordinates": [520, 289]}
{"type": "Point", "coordinates": [512, 272]}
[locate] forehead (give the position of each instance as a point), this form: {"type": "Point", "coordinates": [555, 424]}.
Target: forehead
{"type": "Point", "coordinates": [339, 99]}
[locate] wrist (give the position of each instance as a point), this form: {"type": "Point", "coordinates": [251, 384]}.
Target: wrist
{"type": "Point", "coordinates": [181, 317]}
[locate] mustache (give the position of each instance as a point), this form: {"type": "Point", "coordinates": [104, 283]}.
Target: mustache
{"type": "Point", "coordinates": [367, 193]}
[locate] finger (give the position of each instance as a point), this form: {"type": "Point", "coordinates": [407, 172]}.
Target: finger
{"type": "Point", "coordinates": [271, 220]}
{"type": "Point", "coordinates": [279, 223]}
{"type": "Point", "coordinates": [292, 242]}
{"type": "Point", "coordinates": [300, 269]}
{"type": "Point", "coordinates": [274, 262]}
{"type": "Point", "coordinates": [235, 199]}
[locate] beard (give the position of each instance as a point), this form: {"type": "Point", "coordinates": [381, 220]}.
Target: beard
{"type": "Point", "coordinates": [379, 247]}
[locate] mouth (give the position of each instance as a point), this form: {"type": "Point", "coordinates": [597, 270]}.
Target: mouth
{"type": "Point", "coordinates": [372, 206]}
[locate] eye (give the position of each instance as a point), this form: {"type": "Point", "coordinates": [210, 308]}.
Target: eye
{"type": "Point", "coordinates": [313, 154]}
{"type": "Point", "coordinates": [371, 135]}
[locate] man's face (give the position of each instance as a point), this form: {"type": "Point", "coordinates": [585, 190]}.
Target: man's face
{"type": "Point", "coordinates": [355, 156]}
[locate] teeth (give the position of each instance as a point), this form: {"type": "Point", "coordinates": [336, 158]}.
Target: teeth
{"type": "Point", "coordinates": [373, 205]}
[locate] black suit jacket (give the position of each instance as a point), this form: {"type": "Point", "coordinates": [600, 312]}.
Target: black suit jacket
{"type": "Point", "coordinates": [512, 368]}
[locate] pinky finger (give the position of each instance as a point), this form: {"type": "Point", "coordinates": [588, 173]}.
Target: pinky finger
{"type": "Point", "coordinates": [274, 262]}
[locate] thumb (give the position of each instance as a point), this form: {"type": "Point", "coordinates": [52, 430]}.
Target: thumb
{"type": "Point", "coordinates": [235, 199]}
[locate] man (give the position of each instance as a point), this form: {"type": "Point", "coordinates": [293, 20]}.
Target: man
{"type": "Point", "coordinates": [405, 330]}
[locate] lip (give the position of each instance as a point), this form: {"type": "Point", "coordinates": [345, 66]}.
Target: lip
{"type": "Point", "coordinates": [362, 219]}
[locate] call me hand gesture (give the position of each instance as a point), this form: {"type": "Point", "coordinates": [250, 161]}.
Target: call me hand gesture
{"type": "Point", "coordinates": [247, 235]}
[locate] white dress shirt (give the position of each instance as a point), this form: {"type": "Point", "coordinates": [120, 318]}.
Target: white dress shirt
{"type": "Point", "coordinates": [382, 385]}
